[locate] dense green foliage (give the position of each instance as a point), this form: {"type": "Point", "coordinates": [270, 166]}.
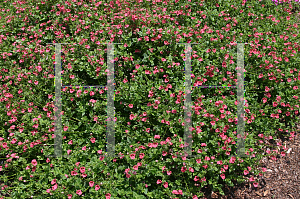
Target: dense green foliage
{"type": "Point", "coordinates": [149, 97]}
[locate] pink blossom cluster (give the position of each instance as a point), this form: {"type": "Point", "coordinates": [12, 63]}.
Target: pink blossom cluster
{"type": "Point", "coordinates": [276, 1]}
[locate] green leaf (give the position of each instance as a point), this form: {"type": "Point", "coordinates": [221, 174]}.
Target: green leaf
{"type": "Point", "coordinates": [137, 196]}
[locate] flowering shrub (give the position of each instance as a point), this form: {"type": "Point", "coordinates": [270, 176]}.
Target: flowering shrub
{"type": "Point", "coordinates": [276, 1]}
{"type": "Point", "coordinates": [149, 95]}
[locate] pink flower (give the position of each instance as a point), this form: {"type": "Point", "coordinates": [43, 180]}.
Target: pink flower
{"type": "Point", "coordinates": [65, 128]}
{"type": "Point", "coordinates": [158, 181]}
{"type": "Point", "coordinates": [131, 116]}
{"type": "Point", "coordinates": [278, 98]}
{"type": "Point", "coordinates": [222, 176]}
{"type": "Point", "coordinates": [34, 162]}
{"type": "Point", "coordinates": [163, 59]}
{"type": "Point", "coordinates": [93, 140]}
{"type": "Point", "coordinates": [213, 123]}
{"type": "Point", "coordinates": [177, 192]}
{"type": "Point", "coordinates": [207, 158]}
{"type": "Point", "coordinates": [232, 159]}
{"type": "Point", "coordinates": [156, 137]}
{"type": "Point", "coordinates": [84, 148]}
{"type": "Point", "coordinates": [255, 184]}
{"type": "Point", "coordinates": [137, 66]}
{"type": "Point", "coordinates": [142, 155]}
{"type": "Point", "coordinates": [130, 105]}
{"type": "Point", "coordinates": [147, 72]}
{"type": "Point", "coordinates": [165, 185]}
{"type": "Point", "coordinates": [264, 100]}
{"type": "Point", "coordinates": [83, 175]}
{"type": "Point", "coordinates": [91, 183]}
{"type": "Point", "coordinates": [251, 179]}
{"type": "Point", "coordinates": [92, 93]}
{"type": "Point", "coordinates": [169, 172]}
{"type": "Point", "coordinates": [286, 59]}
{"type": "Point", "coordinates": [107, 196]}
{"type": "Point", "coordinates": [127, 170]}
{"type": "Point", "coordinates": [132, 156]}
{"type": "Point", "coordinates": [53, 181]}
{"type": "Point", "coordinates": [128, 175]}
{"type": "Point", "coordinates": [267, 89]}
{"type": "Point", "coordinates": [135, 167]}
{"type": "Point", "coordinates": [54, 187]}
{"type": "Point", "coordinates": [230, 120]}
{"type": "Point", "coordinates": [69, 196]}
{"type": "Point", "coordinates": [154, 145]}
{"type": "Point", "coordinates": [79, 192]}
{"type": "Point", "coordinates": [72, 76]}
{"type": "Point", "coordinates": [69, 66]}
{"type": "Point", "coordinates": [97, 187]}
{"type": "Point", "coordinates": [183, 169]}
{"type": "Point", "coordinates": [191, 169]}
{"type": "Point", "coordinates": [82, 169]}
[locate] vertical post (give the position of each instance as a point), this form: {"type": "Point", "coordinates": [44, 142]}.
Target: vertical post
{"type": "Point", "coordinates": [240, 100]}
{"type": "Point", "coordinates": [110, 133]}
{"type": "Point", "coordinates": [58, 124]}
{"type": "Point", "coordinates": [188, 137]}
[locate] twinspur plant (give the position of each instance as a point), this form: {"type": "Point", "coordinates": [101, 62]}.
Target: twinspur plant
{"type": "Point", "coordinates": [153, 45]}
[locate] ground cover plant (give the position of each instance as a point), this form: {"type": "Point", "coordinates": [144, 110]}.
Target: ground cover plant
{"type": "Point", "coordinates": [149, 97]}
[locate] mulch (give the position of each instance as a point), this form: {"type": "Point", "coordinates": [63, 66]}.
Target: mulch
{"type": "Point", "coordinates": [280, 181]}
